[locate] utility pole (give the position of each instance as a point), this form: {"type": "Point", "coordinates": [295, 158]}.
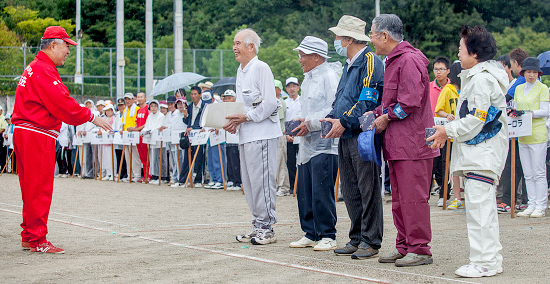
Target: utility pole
{"type": "Point", "coordinates": [78, 69]}
{"type": "Point", "coordinates": [120, 63]}
{"type": "Point", "coordinates": [148, 46]}
{"type": "Point", "coordinates": [377, 7]}
{"type": "Point", "coordinates": [178, 36]}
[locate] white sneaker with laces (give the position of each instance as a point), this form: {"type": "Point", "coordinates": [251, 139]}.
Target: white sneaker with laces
{"type": "Point", "coordinates": [475, 271]}
{"type": "Point", "coordinates": [197, 185]}
{"type": "Point", "coordinates": [210, 184]}
{"type": "Point", "coordinates": [176, 184]}
{"type": "Point", "coordinates": [538, 213]}
{"type": "Point", "coordinates": [217, 185]}
{"type": "Point", "coordinates": [264, 237]}
{"type": "Point", "coordinates": [325, 244]}
{"type": "Point", "coordinates": [304, 242]}
{"type": "Point", "coordinates": [245, 238]}
{"type": "Point", "coordinates": [526, 213]}
{"type": "Point", "coordinates": [106, 178]}
{"type": "Point", "coordinates": [282, 193]}
{"type": "Point", "coordinates": [440, 202]}
{"type": "Point", "coordinates": [154, 182]}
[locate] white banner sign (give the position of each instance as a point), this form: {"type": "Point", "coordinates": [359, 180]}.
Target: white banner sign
{"type": "Point", "coordinates": [440, 121]}
{"type": "Point", "coordinates": [232, 138]}
{"type": "Point", "coordinates": [78, 140]}
{"type": "Point", "coordinates": [198, 138]}
{"type": "Point", "coordinates": [95, 139]}
{"type": "Point", "coordinates": [176, 136]}
{"type": "Point", "coordinates": [216, 139]}
{"type": "Point", "coordinates": [8, 140]}
{"type": "Point", "coordinates": [147, 138]}
{"type": "Point", "coordinates": [130, 137]}
{"type": "Point", "coordinates": [520, 126]}
{"type": "Point", "coordinates": [108, 138]}
{"type": "Point", "coordinates": [118, 139]}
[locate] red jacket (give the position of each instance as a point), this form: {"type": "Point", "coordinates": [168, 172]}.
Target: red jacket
{"type": "Point", "coordinates": [42, 101]}
{"type": "Point", "coordinates": [406, 100]}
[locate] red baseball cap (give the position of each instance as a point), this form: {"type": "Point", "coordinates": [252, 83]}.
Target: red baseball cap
{"type": "Point", "coordinates": [57, 32]}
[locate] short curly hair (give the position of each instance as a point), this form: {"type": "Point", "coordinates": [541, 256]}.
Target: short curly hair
{"type": "Point", "coordinates": [479, 41]}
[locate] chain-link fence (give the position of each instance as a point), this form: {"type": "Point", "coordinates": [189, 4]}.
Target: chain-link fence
{"type": "Point", "coordinates": [99, 67]}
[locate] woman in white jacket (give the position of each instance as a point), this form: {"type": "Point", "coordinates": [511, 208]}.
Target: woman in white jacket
{"type": "Point", "coordinates": [153, 123]}
{"type": "Point", "coordinates": [107, 162]}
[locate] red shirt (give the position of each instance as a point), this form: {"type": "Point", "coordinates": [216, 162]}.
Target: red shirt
{"type": "Point", "coordinates": [42, 101]}
{"type": "Point", "coordinates": [141, 117]}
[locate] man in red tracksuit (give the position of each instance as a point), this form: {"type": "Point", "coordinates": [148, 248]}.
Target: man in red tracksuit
{"type": "Point", "coordinates": [41, 103]}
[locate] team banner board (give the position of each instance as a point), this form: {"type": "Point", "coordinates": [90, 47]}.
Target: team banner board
{"type": "Point", "coordinates": [108, 138]}
{"type": "Point", "coordinates": [162, 135]}
{"type": "Point", "coordinates": [440, 121]}
{"type": "Point", "coordinates": [8, 140]}
{"type": "Point", "coordinates": [198, 138]}
{"type": "Point", "coordinates": [118, 139]}
{"type": "Point", "coordinates": [147, 138]}
{"type": "Point", "coordinates": [130, 138]}
{"type": "Point", "coordinates": [521, 125]}
{"type": "Point", "coordinates": [175, 136]}
{"type": "Point", "coordinates": [78, 140]}
{"type": "Point", "coordinates": [95, 139]}
{"type": "Point", "coordinates": [216, 139]}
{"type": "Point", "coordinates": [232, 138]}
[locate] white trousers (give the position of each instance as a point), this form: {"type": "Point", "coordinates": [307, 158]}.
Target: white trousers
{"type": "Point", "coordinates": [258, 170]}
{"type": "Point", "coordinates": [283, 183]}
{"type": "Point", "coordinates": [136, 162]}
{"type": "Point", "coordinates": [533, 162]}
{"type": "Point", "coordinates": [106, 163]}
{"type": "Point", "coordinates": [482, 221]}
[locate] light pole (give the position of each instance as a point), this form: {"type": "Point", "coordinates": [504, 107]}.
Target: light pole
{"type": "Point", "coordinates": [148, 46]}
{"type": "Point", "coordinates": [120, 63]}
{"type": "Point", "coordinates": [178, 36]}
{"type": "Point", "coordinates": [78, 69]}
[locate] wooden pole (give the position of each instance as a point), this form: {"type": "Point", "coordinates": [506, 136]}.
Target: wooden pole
{"type": "Point", "coordinates": [160, 163]}
{"type": "Point", "coordinates": [147, 164]}
{"type": "Point", "coordinates": [113, 161]}
{"type": "Point", "coordinates": [336, 186]}
{"type": "Point", "coordinates": [190, 173]}
{"type": "Point", "coordinates": [76, 156]}
{"type": "Point", "coordinates": [295, 183]}
{"type": "Point", "coordinates": [178, 154]}
{"type": "Point", "coordinates": [95, 161]}
{"type": "Point", "coordinates": [446, 180]}
{"type": "Point", "coordinates": [6, 165]}
{"type": "Point", "coordinates": [121, 161]}
{"type": "Point", "coordinates": [82, 161]}
{"type": "Point", "coordinates": [221, 164]}
{"type": "Point", "coordinates": [513, 181]}
{"type": "Point", "coordinates": [131, 153]}
{"type": "Point", "coordinates": [101, 163]}
{"type": "Point", "coordinates": [189, 160]}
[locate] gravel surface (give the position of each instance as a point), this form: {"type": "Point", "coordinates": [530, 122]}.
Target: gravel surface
{"type": "Point", "coordinates": [128, 233]}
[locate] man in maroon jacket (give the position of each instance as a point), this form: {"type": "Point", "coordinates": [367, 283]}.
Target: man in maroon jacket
{"type": "Point", "coordinates": [404, 114]}
{"type": "Point", "coordinates": [41, 103]}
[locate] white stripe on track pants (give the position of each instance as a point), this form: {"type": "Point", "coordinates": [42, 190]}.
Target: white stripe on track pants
{"type": "Point", "coordinates": [258, 171]}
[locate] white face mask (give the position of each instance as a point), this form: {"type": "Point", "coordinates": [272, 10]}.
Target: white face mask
{"type": "Point", "coordinates": [343, 51]}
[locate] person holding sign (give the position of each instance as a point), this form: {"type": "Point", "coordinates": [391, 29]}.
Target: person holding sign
{"type": "Point", "coordinates": [42, 103]}
{"type": "Point", "coordinates": [446, 107]}
{"type": "Point", "coordinates": [259, 135]}
{"type": "Point", "coordinates": [116, 124]}
{"type": "Point", "coordinates": [154, 123]}
{"type": "Point", "coordinates": [480, 134]}
{"type": "Point", "coordinates": [533, 96]}
{"type": "Point", "coordinates": [129, 120]}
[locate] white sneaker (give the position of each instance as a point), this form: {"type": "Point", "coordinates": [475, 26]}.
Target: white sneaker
{"type": "Point", "coordinates": [106, 178]}
{"type": "Point", "coordinates": [210, 184]}
{"type": "Point", "coordinates": [264, 237]}
{"type": "Point", "coordinates": [304, 242]}
{"type": "Point", "coordinates": [234, 188]}
{"type": "Point", "coordinates": [125, 180]}
{"type": "Point", "coordinates": [229, 184]}
{"type": "Point", "coordinates": [176, 184]}
{"type": "Point", "coordinates": [245, 238]}
{"type": "Point", "coordinates": [527, 212]}
{"type": "Point", "coordinates": [64, 175]}
{"type": "Point", "coordinates": [58, 176]}
{"type": "Point", "coordinates": [197, 185]}
{"type": "Point", "coordinates": [154, 182]}
{"type": "Point", "coordinates": [440, 202]}
{"type": "Point", "coordinates": [163, 182]}
{"type": "Point", "coordinates": [538, 213]}
{"type": "Point", "coordinates": [475, 271]}
{"type": "Point", "coordinates": [325, 244]}
{"type": "Point", "coordinates": [282, 193]}
{"type": "Point", "coordinates": [217, 185]}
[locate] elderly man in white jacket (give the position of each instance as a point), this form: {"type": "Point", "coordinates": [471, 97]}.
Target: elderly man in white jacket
{"type": "Point", "coordinates": [317, 157]}
{"type": "Point", "coordinates": [480, 146]}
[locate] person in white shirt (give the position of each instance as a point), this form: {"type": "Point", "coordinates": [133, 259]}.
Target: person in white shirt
{"type": "Point", "coordinates": [107, 157]}
{"type": "Point", "coordinates": [293, 107]}
{"type": "Point", "coordinates": [87, 153]}
{"type": "Point", "coordinates": [155, 121]}
{"type": "Point", "coordinates": [177, 124]}
{"type": "Point", "coordinates": [258, 136]}
{"type": "Point", "coordinates": [318, 157]}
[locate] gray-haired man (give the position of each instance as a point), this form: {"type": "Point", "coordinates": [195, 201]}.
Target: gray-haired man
{"type": "Point", "coordinates": [258, 136]}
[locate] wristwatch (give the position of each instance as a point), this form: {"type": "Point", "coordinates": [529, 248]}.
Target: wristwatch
{"type": "Point", "coordinates": [247, 118]}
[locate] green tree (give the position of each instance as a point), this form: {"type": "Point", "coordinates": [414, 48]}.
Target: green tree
{"type": "Point", "coordinates": [282, 59]}
{"type": "Point", "coordinates": [532, 42]}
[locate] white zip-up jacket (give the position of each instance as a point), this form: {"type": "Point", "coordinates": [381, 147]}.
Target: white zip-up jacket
{"type": "Point", "coordinates": [483, 85]}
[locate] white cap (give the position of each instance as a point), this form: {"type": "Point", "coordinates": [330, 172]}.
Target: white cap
{"type": "Point", "coordinates": [109, 106]}
{"type": "Point", "coordinates": [129, 95]}
{"type": "Point", "coordinates": [311, 44]}
{"type": "Point", "coordinates": [229, 93]}
{"type": "Point", "coordinates": [292, 80]}
{"type": "Point", "coordinates": [163, 105]}
{"type": "Point", "coordinates": [100, 103]}
{"type": "Point", "coordinates": [1, 108]}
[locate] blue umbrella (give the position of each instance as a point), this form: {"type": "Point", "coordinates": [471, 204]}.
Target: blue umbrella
{"type": "Point", "coordinates": [544, 59]}
{"type": "Point", "coordinates": [175, 82]}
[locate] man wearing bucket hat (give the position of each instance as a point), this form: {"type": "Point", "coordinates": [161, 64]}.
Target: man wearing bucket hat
{"type": "Point", "coordinates": [404, 114]}
{"type": "Point", "coordinates": [317, 157]}
{"type": "Point", "coordinates": [42, 103]}
{"type": "Point", "coordinates": [359, 90]}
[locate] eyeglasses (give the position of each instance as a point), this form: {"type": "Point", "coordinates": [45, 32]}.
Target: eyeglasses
{"type": "Point", "coordinates": [440, 70]}
{"type": "Point", "coordinates": [374, 34]}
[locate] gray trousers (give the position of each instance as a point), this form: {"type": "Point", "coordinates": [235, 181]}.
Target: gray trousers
{"type": "Point", "coordinates": [174, 174]}
{"type": "Point", "coordinates": [88, 160]}
{"type": "Point", "coordinates": [258, 171]}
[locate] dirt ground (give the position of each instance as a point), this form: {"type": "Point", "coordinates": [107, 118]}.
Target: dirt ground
{"type": "Point", "coordinates": [136, 233]}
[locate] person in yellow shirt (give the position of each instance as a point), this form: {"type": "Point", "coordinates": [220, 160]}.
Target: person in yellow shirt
{"type": "Point", "coordinates": [446, 107]}
{"type": "Point", "coordinates": [533, 96]}
{"type": "Point", "coordinates": [129, 120]}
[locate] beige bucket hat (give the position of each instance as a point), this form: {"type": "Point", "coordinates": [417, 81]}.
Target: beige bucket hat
{"type": "Point", "coordinates": [352, 27]}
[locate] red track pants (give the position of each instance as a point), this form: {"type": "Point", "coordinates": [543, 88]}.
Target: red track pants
{"type": "Point", "coordinates": [35, 154]}
{"type": "Point", "coordinates": [142, 150]}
